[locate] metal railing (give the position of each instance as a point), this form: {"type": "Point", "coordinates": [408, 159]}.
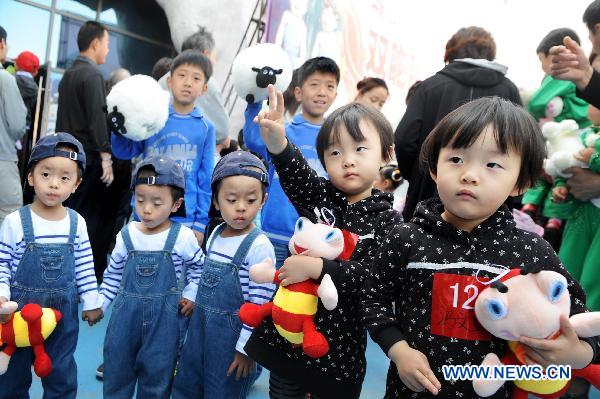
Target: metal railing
{"type": "Point", "coordinates": [253, 35]}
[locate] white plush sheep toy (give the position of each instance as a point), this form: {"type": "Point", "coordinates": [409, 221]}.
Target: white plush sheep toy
{"type": "Point", "coordinates": [137, 107]}
{"type": "Point", "coordinates": [563, 142]}
{"type": "Point", "coordinates": [258, 66]}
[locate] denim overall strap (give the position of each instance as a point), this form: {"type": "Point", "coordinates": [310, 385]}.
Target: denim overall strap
{"type": "Point", "coordinates": [217, 232]}
{"type": "Point", "coordinates": [172, 237]}
{"type": "Point", "coordinates": [25, 214]}
{"type": "Point", "coordinates": [244, 247]}
{"type": "Point", "coordinates": [127, 238]}
{"type": "Point", "coordinates": [72, 225]}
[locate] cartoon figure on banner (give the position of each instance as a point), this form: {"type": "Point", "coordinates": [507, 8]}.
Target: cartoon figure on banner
{"type": "Point", "coordinates": [292, 33]}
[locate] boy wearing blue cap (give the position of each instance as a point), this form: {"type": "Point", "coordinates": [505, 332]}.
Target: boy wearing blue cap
{"type": "Point", "coordinates": [213, 363]}
{"type": "Point", "coordinates": [143, 334]}
{"type": "Point", "coordinates": [46, 258]}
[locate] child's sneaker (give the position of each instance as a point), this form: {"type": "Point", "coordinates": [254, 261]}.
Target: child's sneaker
{"type": "Point", "coordinates": [100, 372]}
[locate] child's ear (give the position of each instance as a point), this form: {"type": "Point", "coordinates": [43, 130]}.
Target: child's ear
{"type": "Point", "coordinates": [433, 176]}
{"type": "Point", "coordinates": [30, 178]}
{"type": "Point", "coordinates": [298, 93]}
{"type": "Point", "coordinates": [264, 200]}
{"type": "Point", "coordinates": [215, 203]}
{"type": "Point", "coordinates": [169, 82]}
{"type": "Point", "coordinates": [176, 205]}
{"type": "Point", "coordinates": [390, 155]}
{"type": "Point", "coordinates": [79, 180]}
{"type": "Point", "coordinates": [204, 88]}
{"type": "Point", "coordinates": [517, 191]}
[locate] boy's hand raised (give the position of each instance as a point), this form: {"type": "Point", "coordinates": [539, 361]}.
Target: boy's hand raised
{"type": "Point", "coordinates": [272, 128]}
{"type": "Point", "coordinates": [413, 368]}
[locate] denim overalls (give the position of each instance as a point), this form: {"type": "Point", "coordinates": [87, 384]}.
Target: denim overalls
{"type": "Point", "coordinates": [214, 330]}
{"type": "Point", "coordinates": [143, 332]}
{"type": "Point", "coordinates": [46, 276]}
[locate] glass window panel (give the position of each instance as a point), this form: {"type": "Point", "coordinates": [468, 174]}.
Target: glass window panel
{"type": "Point", "coordinates": [31, 36]}
{"type": "Point", "coordinates": [51, 110]}
{"type": "Point", "coordinates": [85, 8]}
{"type": "Point", "coordinates": [47, 3]}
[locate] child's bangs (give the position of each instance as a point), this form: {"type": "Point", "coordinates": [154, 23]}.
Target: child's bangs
{"type": "Point", "coordinates": [505, 128]}
{"type": "Point", "coordinates": [351, 122]}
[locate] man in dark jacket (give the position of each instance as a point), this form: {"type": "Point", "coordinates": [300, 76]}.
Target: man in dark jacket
{"type": "Point", "coordinates": [470, 73]}
{"type": "Point", "coordinates": [82, 95]}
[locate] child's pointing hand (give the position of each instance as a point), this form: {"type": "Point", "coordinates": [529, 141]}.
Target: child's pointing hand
{"type": "Point", "coordinates": [272, 128]}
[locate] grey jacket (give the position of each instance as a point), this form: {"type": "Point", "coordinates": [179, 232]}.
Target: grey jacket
{"type": "Point", "coordinates": [211, 105]}
{"type": "Point", "coordinates": [13, 115]}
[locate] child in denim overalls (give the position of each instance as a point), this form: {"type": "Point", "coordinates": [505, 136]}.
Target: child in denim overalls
{"type": "Point", "coordinates": [46, 258]}
{"type": "Point", "coordinates": [213, 363]}
{"type": "Point", "coordinates": [142, 338]}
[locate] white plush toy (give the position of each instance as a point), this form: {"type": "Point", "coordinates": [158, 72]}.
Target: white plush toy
{"type": "Point", "coordinates": [563, 142]}
{"type": "Point", "coordinates": [258, 66]}
{"type": "Point", "coordinates": [137, 107]}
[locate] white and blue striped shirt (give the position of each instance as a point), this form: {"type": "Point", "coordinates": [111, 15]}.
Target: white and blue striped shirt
{"type": "Point", "coordinates": [223, 250]}
{"type": "Point", "coordinates": [12, 246]}
{"type": "Point", "coordinates": [185, 252]}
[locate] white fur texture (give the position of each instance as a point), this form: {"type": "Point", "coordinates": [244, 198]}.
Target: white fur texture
{"type": "Point", "coordinates": [144, 104]}
{"type": "Point", "coordinates": [259, 56]}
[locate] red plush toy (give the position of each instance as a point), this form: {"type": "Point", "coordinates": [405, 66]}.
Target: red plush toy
{"type": "Point", "coordinates": [29, 327]}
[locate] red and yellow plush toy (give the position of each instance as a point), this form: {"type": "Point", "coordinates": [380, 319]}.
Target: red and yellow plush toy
{"type": "Point", "coordinates": [295, 305]}
{"type": "Point", "coordinates": [527, 302]}
{"type": "Point", "coordinates": [29, 327]}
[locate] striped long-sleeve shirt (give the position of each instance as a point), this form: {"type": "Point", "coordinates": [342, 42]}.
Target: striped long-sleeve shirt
{"type": "Point", "coordinates": [223, 250]}
{"type": "Point", "coordinates": [185, 252]}
{"type": "Point", "coordinates": [12, 246]}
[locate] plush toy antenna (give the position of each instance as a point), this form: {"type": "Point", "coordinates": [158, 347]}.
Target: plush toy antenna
{"type": "Point", "coordinates": [500, 286]}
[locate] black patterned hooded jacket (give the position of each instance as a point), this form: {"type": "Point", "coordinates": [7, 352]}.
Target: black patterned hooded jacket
{"type": "Point", "coordinates": [433, 272]}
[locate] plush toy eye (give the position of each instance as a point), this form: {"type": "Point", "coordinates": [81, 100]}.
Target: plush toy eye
{"type": "Point", "coordinates": [299, 224]}
{"type": "Point", "coordinates": [496, 309]}
{"type": "Point", "coordinates": [331, 236]}
{"type": "Point", "coordinates": [556, 289]}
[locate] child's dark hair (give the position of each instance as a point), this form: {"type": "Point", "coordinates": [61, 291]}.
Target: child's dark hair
{"type": "Point", "coordinates": [289, 98]}
{"type": "Point", "coordinates": [148, 171]}
{"type": "Point", "coordinates": [89, 31]}
{"type": "Point", "coordinates": [514, 129]}
{"type": "Point", "coordinates": [392, 173]}
{"type": "Point", "coordinates": [591, 16]}
{"type": "Point", "coordinates": [161, 67]}
{"type": "Point", "coordinates": [63, 147]}
{"type": "Point", "coordinates": [555, 38]}
{"type": "Point", "coordinates": [318, 64]}
{"type": "Point", "coordinates": [195, 58]}
{"type": "Point", "coordinates": [350, 116]}
{"type": "Point", "coordinates": [411, 91]}
{"type": "Point", "coordinates": [370, 83]}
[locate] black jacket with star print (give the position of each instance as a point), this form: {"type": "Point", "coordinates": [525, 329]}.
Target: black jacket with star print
{"type": "Point", "coordinates": [404, 271]}
{"type": "Point", "coordinates": [340, 373]}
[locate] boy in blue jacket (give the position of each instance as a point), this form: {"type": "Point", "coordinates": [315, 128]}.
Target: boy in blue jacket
{"type": "Point", "coordinates": [187, 137]}
{"type": "Point", "coordinates": [317, 89]}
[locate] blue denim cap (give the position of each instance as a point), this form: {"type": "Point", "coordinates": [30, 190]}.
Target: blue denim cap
{"type": "Point", "coordinates": [168, 173]}
{"type": "Point", "coordinates": [235, 164]}
{"type": "Point", "coordinates": [46, 147]}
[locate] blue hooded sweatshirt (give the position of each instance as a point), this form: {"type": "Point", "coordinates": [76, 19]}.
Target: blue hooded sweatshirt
{"type": "Point", "coordinates": [278, 216]}
{"type": "Point", "coordinates": [190, 141]}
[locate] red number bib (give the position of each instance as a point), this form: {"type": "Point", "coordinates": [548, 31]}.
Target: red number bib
{"type": "Point", "coordinates": [452, 307]}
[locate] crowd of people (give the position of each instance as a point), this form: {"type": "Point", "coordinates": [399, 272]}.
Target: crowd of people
{"type": "Point", "coordinates": [167, 236]}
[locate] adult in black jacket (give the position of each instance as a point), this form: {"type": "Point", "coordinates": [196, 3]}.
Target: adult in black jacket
{"type": "Point", "coordinates": [469, 74]}
{"type": "Point", "coordinates": [82, 95]}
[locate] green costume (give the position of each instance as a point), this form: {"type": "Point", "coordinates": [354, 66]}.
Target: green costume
{"type": "Point", "coordinates": [573, 108]}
